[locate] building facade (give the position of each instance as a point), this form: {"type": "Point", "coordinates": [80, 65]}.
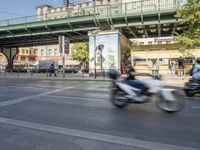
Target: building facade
{"type": "Point", "coordinates": [47, 12]}
{"type": "Point", "coordinates": [162, 50]}
{"type": "Point", "coordinates": [26, 57]}
{"type": "Point", "coordinates": [52, 52]}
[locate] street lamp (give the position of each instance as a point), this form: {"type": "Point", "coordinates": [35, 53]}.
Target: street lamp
{"type": "Point", "coordinates": [94, 33]}
{"type": "Point", "coordinates": [101, 47]}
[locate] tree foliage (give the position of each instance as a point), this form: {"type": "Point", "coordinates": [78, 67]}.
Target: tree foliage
{"type": "Point", "coordinates": [190, 14]}
{"type": "Point", "coordinates": [80, 52]}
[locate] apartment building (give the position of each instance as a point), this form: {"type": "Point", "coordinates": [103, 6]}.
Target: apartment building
{"type": "Point", "coordinates": [26, 57]}
{"type": "Point", "coordinates": [47, 12]}
{"type": "Point", "coordinates": [52, 52]}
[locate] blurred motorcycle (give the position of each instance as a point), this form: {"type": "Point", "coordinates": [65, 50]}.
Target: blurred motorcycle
{"type": "Point", "coordinates": [192, 87]}
{"type": "Point", "coordinates": [122, 94]}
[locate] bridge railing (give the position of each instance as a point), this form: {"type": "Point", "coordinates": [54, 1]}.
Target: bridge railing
{"type": "Point", "coordinates": [100, 11]}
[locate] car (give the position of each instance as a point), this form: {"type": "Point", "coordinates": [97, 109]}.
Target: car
{"type": "Point", "coordinates": [71, 70]}
{"type": "Point", "coordinates": [39, 70]}
{"type": "Point", "coordinates": [21, 70]}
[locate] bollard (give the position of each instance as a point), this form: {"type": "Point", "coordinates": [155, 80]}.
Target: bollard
{"type": "Point", "coordinates": [104, 75]}
{"type": "Point", "coordinates": [17, 73]}
{"type": "Point", "coordinates": [63, 74]}
{"type": "Point", "coordinates": [31, 73]}
{"type": "Point", "coordinates": [82, 74]}
{"type": "Point", "coordinates": [4, 73]}
{"type": "Point", "coordinates": [47, 73]}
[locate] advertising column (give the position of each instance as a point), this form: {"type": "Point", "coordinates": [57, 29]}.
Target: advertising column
{"type": "Point", "coordinates": [109, 56]}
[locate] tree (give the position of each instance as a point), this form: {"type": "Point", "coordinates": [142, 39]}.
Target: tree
{"type": "Point", "coordinates": [190, 14]}
{"type": "Point", "coordinates": [80, 52]}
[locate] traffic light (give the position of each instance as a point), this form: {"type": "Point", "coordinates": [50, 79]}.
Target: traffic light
{"type": "Point", "coordinates": [66, 45]}
{"type": "Point", "coordinates": [63, 44]}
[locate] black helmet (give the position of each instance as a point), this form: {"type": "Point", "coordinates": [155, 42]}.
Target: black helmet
{"type": "Point", "coordinates": [114, 74]}
{"type": "Point", "coordinates": [198, 60]}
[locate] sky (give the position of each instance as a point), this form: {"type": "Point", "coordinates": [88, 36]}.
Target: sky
{"type": "Point", "coordinates": [18, 8]}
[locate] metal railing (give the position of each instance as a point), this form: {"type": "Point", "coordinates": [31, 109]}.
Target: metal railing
{"type": "Point", "coordinates": [88, 74]}
{"type": "Point", "coordinates": [99, 11]}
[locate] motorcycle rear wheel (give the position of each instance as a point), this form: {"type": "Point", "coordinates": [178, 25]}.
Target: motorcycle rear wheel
{"type": "Point", "coordinates": [171, 106]}
{"type": "Point", "coordinates": [189, 94]}
{"type": "Point", "coordinates": [118, 99]}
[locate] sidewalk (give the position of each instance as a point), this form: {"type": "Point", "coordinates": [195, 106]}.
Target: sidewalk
{"type": "Point", "coordinates": [167, 80]}
{"type": "Point", "coordinates": [175, 80]}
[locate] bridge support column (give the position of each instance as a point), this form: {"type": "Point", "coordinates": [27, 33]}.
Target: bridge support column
{"type": "Point", "coordinates": [10, 55]}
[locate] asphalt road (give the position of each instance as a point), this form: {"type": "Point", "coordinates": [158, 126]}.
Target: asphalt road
{"type": "Point", "coordinates": [77, 115]}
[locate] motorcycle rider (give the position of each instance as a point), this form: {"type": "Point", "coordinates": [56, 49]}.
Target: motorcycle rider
{"type": "Point", "coordinates": [130, 80]}
{"type": "Point", "coordinates": [196, 70]}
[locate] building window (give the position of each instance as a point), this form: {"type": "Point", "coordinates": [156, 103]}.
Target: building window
{"type": "Point", "coordinates": [141, 43]}
{"type": "Point", "coordinates": [23, 51]}
{"type": "Point", "coordinates": [42, 52]}
{"type": "Point", "coordinates": [23, 58]}
{"type": "Point", "coordinates": [150, 42]}
{"type": "Point", "coordinates": [55, 52]}
{"type": "Point", "coordinates": [159, 42]}
{"type": "Point", "coordinates": [49, 52]}
{"type": "Point", "coordinates": [26, 51]}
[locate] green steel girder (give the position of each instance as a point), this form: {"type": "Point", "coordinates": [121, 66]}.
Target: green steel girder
{"type": "Point", "coordinates": [75, 25]}
{"type": "Point", "coordinates": [92, 18]}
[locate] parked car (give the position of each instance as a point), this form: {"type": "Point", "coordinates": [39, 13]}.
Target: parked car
{"type": "Point", "coordinates": [20, 69]}
{"type": "Point", "coordinates": [39, 70]}
{"type": "Point", "coordinates": [71, 70]}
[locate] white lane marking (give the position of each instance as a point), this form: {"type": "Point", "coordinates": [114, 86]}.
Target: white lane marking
{"type": "Point", "coordinates": [23, 85]}
{"type": "Point", "coordinates": [77, 98]}
{"type": "Point", "coordinates": [76, 82]}
{"type": "Point", "coordinates": [195, 107]}
{"type": "Point", "coordinates": [94, 136]}
{"type": "Point", "coordinates": [22, 99]}
{"type": "Point", "coordinates": [26, 87]}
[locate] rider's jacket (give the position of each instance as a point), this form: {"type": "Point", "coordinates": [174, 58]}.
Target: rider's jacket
{"type": "Point", "coordinates": [196, 72]}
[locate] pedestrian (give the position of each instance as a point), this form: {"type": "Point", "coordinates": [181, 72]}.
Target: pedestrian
{"type": "Point", "coordinates": [157, 67]}
{"type": "Point", "coordinates": [52, 69]}
{"type": "Point", "coordinates": [181, 65]}
{"type": "Point", "coordinates": [170, 66]}
{"type": "Point", "coordinates": [173, 67]}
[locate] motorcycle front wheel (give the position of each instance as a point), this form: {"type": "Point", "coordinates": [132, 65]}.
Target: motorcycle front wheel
{"type": "Point", "coordinates": [171, 106]}
{"type": "Point", "coordinates": [189, 94]}
{"type": "Point", "coordinates": [118, 99]}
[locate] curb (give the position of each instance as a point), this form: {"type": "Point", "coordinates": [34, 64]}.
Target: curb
{"type": "Point", "coordinates": [60, 79]}
{"type": "Point", "coordinates": [164, 82]}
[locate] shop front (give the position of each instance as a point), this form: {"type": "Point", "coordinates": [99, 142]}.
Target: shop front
{"type": "Point", "coordinates": [160, 58]}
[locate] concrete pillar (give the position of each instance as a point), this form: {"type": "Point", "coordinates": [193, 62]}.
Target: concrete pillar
{"type": "Point", "coordinates": [10, 55]}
